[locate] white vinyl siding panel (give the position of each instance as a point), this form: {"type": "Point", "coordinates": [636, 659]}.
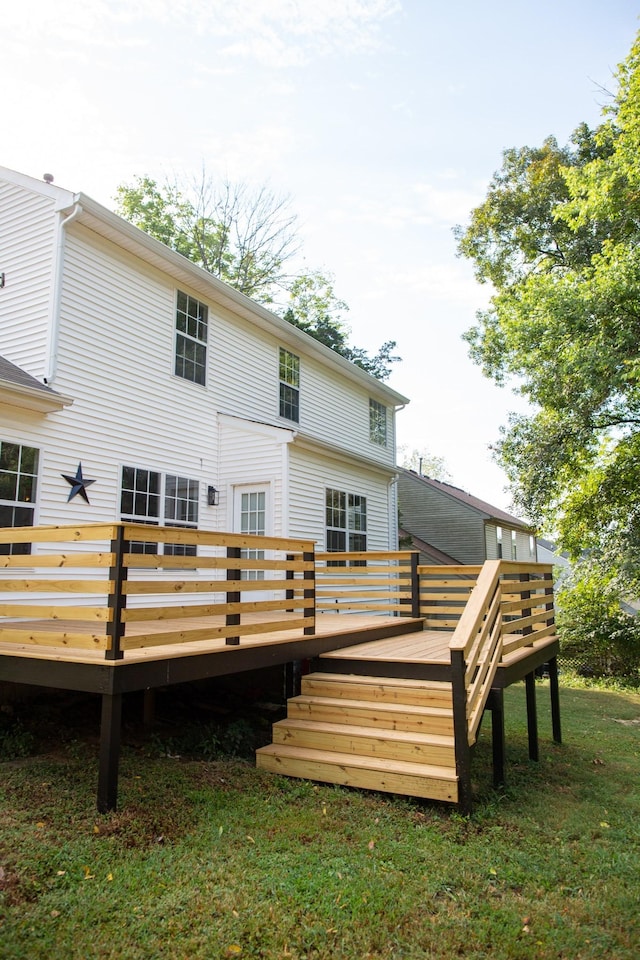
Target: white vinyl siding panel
{"type": "Point", "coordinates": [27, 235]}
{"type": "Point", "coordinates": [309, 478]}
{"type": "Point", "coordinates": [249, 457]}
{"type": "Point", "coordinates": [115, 359]}
{"type": "Point", "coordinates": [245, 382]}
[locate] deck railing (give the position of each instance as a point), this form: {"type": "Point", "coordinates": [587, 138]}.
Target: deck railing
{"type": "Point", "coordinates": [509, 607]}
{"type": "Point", "coordinates": [124, 586]}
{"type": "Point", "coordinates": [384, 582]}
{"type": "Point", "coordinates": [444, 592]}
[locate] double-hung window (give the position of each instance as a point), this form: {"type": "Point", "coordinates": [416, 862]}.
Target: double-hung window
{"type": "Point", "coordinates": [148, 496]}
{"type": "Point", "coordinates": [191, 338]}
{"type": "Point", "coordinates": [289, 372]}
{"type": "Point", "coordinates": [346, 521]}
{"type": "Point", "coordinates": [18, 489]}
{"type": "Point", "coordinates": [377, 423]}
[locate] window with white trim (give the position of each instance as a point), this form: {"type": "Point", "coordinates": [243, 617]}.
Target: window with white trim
{"type": "Point", "coordinates": [18, 490]}
{"type": "Point", "coordinates": [289, 374]}
{"type": "Point", "coordinates": [191, 338]}
{"type": "Point", "coordinates": [148, 496]}
{"type": "Point", "coordinates": [377, 423]}
{"type": "Point", "coordinates": [346, 521]}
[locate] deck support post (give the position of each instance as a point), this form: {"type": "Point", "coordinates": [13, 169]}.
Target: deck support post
{"type": "Point", "coordinates": [309, 593]}
{"type": "Point", "coordinates": [233, 596]}
{"type": "Point", "coordinates": [117, 599]}
{"type": "Point", "coordinates": [110, 725]}
{"type": "Point", "coordinates": [415, 586]}
{"type": "Point", "coordinates": [292, 679]}
{"type": "Point", "coordinates": [461, 731]}
{"type": "Point", "coordinates": [532, 715]}
{"type": "Point", "coordinates": [496, 705]}
{"type": "Point", "coordinates": [555, 699]}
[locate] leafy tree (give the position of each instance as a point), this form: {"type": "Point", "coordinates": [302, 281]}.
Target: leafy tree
{"type": "Point", "coordinates": [314, 307]}
{"type": "Point", "coordinates": [425, 463]}
{"type": "Point", "coordinates": [246, 239]}
{"type": "Point", "coordinates": [600, 633]}
{"type": "Point", "coordinates": [558, 237]}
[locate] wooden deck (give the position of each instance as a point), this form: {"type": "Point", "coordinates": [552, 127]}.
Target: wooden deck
{"type": "Point", "coordinates": [82, 609]}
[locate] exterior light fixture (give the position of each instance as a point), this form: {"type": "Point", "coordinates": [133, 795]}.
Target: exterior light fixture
{"type": "Point", "coordinates": [213, 496]}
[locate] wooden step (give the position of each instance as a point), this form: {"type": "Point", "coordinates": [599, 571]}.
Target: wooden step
{"type": "Point", "coordinates": [388, 716]}
{"type": "Point", "coordinates": [426, 693]}
{"type": "Point", "coordinates": [430, 782]}
{"type": "Point", "coordinates": [366, 741]}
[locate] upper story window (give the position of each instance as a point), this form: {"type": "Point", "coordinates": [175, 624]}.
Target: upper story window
{"type": "Point", "coordinates": [378, 423]}
{"type": "Point", "coordinates": [289, 373]}
{"type": "Point", "coordinates": [18, 489]}
{"type": "Point", "coordinates": [147, 496]}
{"type": "Point", "coordinates": [191, 338]}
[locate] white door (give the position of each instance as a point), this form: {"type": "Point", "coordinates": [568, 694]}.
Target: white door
{"type": "Point", "coordinates": [250, 516]}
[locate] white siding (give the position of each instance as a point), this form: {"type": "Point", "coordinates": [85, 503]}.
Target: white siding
{"type": "Point", "coordinates": [245, 382]}
{"type": "Point", "coordinates": [522, 543]}
{"type": "Point", "coordinates": [252, 455]}
{"type": "Point", "coordinates": [311, 475]}
{"type": "Point", "coordinates": [27, 234]}
{"type": "Point", "coordinates": [115, 359]}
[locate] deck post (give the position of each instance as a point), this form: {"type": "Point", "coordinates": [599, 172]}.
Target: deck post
{"type": "Point", "coordinates": [415, 586]}
{"type": "Point", "coordinates": [309, 593]}
{"type": "Point", "coordinates": [461, 731]}
{"type": "Point", "coordinates": [118, 598]}
{"type": "Point", "coordinates": [110, 725]}
{"type": "Point", "coordinates": [532, 715]}
{"type": "Point", "coordinates": [233, 596]}
{"type": "Point", "coordinates": [555, 699]}
{"type": "Point", "coordinates": [496, 705]}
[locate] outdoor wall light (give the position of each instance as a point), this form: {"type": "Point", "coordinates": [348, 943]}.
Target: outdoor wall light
{"type": "Point", "coordinates": [213, 496]}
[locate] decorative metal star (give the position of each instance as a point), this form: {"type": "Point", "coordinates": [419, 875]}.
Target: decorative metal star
{"type": "Point", "coordinates": [78, 485]}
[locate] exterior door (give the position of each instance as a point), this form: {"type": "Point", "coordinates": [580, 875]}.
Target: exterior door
{"type": "Point", "coordinates": [250, 516]}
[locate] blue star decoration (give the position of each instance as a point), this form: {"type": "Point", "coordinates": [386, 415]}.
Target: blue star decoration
{"type": "Point", "coordinates": [78, 485]}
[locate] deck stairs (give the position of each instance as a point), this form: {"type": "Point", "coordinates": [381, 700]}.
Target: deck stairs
{"type": "Point", "coordinates": [391, 735]}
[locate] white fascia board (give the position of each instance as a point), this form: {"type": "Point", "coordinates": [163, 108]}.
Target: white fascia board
{"type": "Point", "coordinates": [32, 398]}
{"type": "Point", "coordinates": [257, 428]}
{"type": "Point", "coordinates": [112, 227]}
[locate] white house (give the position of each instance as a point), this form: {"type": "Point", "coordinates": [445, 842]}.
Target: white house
{"type": "Point", "coordinates": [134, 385]}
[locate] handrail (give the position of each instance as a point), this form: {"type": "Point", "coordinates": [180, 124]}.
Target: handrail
{"type": "Point", "coordinates": [114, 587]}
{"type": "Point", "coordinates": [509, 607]}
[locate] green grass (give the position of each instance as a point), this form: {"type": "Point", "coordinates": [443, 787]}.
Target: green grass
{"type": "Point", "coordinates": [217, 859]}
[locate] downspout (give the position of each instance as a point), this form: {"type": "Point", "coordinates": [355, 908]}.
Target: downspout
{"type": "Point", "coordinates": [56, 298]}
{"type": "Point", "coordinates": [394, 534]}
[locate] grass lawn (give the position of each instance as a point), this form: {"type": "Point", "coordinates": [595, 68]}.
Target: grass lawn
{"type": "Point", "coordinates": [215, 859]}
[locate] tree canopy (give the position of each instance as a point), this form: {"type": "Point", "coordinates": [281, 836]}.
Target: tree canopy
{"type": "Point", "coordinates": [247, 239]}
{"type": "Point", "coordinates": [558, 237]}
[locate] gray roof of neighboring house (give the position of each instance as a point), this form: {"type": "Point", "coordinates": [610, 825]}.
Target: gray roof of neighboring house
{"type": "Point", "coordinates": [438, 556]}
{"type": "Point", "coordinates": [488, 510]}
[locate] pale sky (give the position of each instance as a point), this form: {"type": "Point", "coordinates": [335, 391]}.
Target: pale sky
{"type": "Point", "coordinates": [382, 119]}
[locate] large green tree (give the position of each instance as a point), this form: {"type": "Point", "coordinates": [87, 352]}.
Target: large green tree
{"type": "Point", "coordinates": [245, 237]}
{"type": "Point", "coordinates": [248, 239]}
{"type": "Point", "coordinates": [558, 237]}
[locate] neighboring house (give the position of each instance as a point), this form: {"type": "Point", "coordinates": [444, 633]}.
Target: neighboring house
{"type": "Point", "coordinates": [448, 525]}
{"type": "Point", "coordinates": [135, 385]}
